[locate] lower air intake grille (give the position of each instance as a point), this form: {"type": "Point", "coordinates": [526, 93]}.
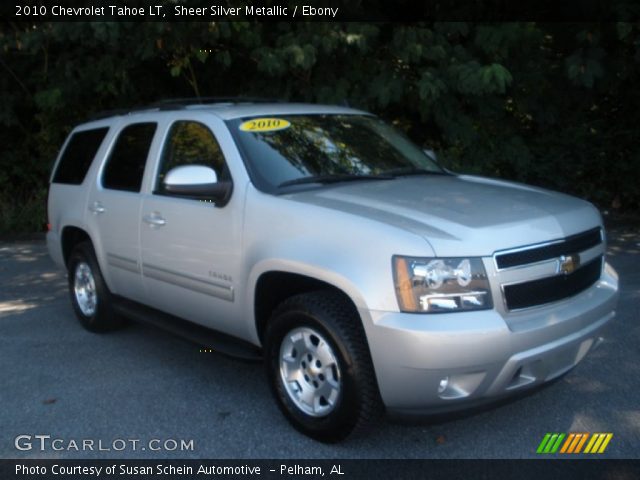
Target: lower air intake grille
{"type": "Point", "coordinates": [552, 289]}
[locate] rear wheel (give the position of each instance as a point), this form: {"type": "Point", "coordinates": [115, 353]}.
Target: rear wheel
{"type": "Point", "coordinates": [319, 366]}
{"type": "Point", "coordinates": [90, 297]}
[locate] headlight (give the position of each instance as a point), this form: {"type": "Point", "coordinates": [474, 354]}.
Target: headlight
{"type": "Point", "coordinates": [441, 284]}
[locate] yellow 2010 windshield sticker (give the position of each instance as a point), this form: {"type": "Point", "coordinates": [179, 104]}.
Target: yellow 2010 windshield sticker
{"type": "Point", "coordinates": [264, 125]}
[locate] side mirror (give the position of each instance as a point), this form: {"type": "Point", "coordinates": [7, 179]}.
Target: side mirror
{"type": "Point", "coordinates": [196, 181]}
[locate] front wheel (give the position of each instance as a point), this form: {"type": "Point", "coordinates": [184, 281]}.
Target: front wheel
{"type": "Point", "coordinates": [319, 367]}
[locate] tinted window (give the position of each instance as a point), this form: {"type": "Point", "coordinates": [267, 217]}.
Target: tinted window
{"type": "Point", "coordinates": [77, 157]}
{"type": "Point", "coordinates": [191, 143]}
{"type": "Point", "coordinates": [125, 167]}
{"type": "Point", "coordinates": [323, 145]}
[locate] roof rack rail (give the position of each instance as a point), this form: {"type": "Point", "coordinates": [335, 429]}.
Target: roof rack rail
{"type": "Point", "coordinates": [172, 103]}
{"type": "Point", "coordinates": [179, 103]}
{"type": "Point", "coordinates": [108, 113]}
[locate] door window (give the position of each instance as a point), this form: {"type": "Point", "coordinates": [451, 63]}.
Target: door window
{"type": "Point", "coordinates": [125, 167]}
{"type": "Point", "coordinates": [191, 143]}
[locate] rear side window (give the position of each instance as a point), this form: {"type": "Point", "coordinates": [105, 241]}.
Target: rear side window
{"type": "Point", "coordinates": [78, 155]}
{"type": "Point", "coordinates": [125, 167]}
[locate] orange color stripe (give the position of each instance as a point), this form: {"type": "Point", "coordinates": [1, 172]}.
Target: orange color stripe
{"type": "Point", "coordinates": [567, 442]}
{"type": "Point", "coordinates": [584, 439]}
{"type": "Point", "coordinates": [575, 442]}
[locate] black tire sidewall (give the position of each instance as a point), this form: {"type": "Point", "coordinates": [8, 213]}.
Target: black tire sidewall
{"type": "Point", "coordinates": [102, 319]}
{"type": "Point", "coordinates": [338, 424]}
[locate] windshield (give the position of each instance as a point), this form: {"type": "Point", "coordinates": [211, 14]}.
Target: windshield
{"type": "Point", "coordinates": [285, 150]}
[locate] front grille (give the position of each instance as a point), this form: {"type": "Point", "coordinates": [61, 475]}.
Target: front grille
{"type": "Point", "coordinates": [573, 244]}
{"type": "Point", "coordinates": [552, 289]}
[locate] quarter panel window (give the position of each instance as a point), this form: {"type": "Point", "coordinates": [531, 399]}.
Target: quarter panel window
{"type": "Point", "coordinates": [78, 156]}
{"type": "Point", "coordinates": [125, 167]}
{"type": "Point", "coordinates": [191, 143]}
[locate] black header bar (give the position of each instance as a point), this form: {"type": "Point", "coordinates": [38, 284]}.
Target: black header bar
{"type": "Point", "coordinates": [318, 10]}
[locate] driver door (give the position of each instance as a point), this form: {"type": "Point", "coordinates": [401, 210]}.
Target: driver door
{"type": "Point", "coordinates": [189, 246]}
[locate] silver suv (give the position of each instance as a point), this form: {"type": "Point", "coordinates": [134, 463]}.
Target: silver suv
{"type": "Point", "coordinates": [321, 239]}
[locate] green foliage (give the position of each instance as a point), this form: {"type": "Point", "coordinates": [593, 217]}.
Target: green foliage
{"type": "Point", "coordinates": [553, 105]}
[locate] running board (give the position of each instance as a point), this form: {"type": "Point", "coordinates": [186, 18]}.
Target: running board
{"type": "Point", "coordinates": [205, 337]}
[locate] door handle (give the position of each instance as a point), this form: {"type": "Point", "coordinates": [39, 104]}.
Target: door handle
{"type": "Point", "coordinates": [154, 220]}
{"type": "Point", "coordinates": [96, 208]}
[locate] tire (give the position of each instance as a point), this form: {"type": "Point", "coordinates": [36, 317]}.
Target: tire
{"type": "Point", "coordinates": [90, 297]}
{"type": "Point", "coordinates": [317, 340]}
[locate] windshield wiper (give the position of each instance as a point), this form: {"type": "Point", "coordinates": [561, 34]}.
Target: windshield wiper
{"type": "Point", "coordinates": [324, 179]}
{"type": "Point", "coordinates": [406, 171]}
{"type": "Point", "coordinates": [349, 177]}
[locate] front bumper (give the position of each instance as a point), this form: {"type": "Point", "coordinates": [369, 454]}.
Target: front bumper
{"type": "Point", "coordinates": [427, 364]}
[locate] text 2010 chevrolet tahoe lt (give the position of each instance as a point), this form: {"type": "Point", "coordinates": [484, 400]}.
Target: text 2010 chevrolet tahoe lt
{"type": "Point", "coordinates": [366, 275]}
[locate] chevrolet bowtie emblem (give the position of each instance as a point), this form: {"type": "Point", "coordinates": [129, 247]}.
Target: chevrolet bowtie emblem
{"type": "Point", "coordinates": [568, 263]}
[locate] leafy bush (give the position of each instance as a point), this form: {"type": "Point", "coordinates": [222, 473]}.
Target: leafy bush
{"type": "Point", "coordinates": [553, 105]}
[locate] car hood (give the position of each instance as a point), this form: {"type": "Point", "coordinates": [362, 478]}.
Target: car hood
{"type": "Point", "coordinates": [460, 215]}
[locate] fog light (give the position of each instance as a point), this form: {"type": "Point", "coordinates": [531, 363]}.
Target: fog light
{"type": "Point", "coordinates": [444, 383]}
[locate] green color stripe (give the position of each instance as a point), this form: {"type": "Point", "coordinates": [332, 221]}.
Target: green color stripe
{"type": "Point", "coordinates": [558, 442]}
{"type": "Point", "coordinates": [543, 443]}
{"type": "Point", "coordinates": [550, 443]}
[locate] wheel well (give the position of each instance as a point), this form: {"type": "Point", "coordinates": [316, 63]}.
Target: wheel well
{"type": "Point", "coordinates": [273, 288]}
{"type": "Point", "coordinates": [72, 236]}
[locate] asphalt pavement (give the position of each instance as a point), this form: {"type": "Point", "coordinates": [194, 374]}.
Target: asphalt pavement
{"type": "Point", "coordinates": [141, 386]}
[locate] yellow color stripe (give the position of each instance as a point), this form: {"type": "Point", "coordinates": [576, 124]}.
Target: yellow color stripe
{"type": "Point", "coordinates": [584, 439]}
{"type": "Point", "coordinates": [590, 444]}
{"type": "Point", "coordinates": [567, 442]}
{"type": "Point", "coordinates": [596, 446]}
{"type": "Point", "coordinates": [607, 439]}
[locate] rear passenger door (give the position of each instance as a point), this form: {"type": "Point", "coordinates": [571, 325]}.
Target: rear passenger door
{"type": "Point", "coordinates": [114, 203]}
